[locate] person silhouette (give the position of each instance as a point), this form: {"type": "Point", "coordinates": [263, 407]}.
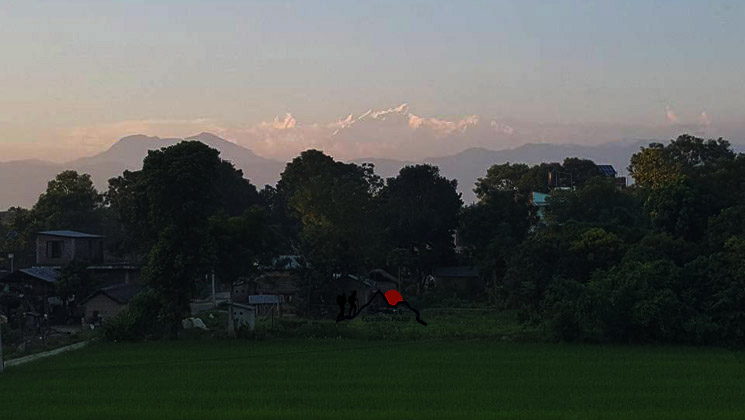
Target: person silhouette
{"type": "Point", "coordinates": [341, 300]}
{"type": "Point", "coordinates": [353, 303]}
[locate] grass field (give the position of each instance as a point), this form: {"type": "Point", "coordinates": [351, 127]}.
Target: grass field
{"type": "Point", "coordinates": [348, 379]}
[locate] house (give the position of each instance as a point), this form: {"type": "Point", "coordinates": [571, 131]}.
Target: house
{"type": "Point", "coordinates": [540, 201]}
{"type": "Point", "coordinates": [278, 279]}
{"type": "Point", "coordinates": [607, 170]}
{"type": "Point", "coordinates": [110, 273]}
{"type": "Point", "coordinates": [37, 286]}
{"type": "Point", "coordinates": [60, 247]}
{"type": "Point", "coordinates": [610, 172]}
{"type": "Point", "coordinates": [57, 248]}
{"type": "Point", "coordinates": [109, 301]}
{"type": "Point", "coordinates": [463, 280]}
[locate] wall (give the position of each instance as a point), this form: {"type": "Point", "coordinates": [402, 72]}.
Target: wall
{"type": "Point", "coordinates": [41, 250]}
{"type": "Point", "coordinates": [82, 249]}
{"type": "Point", "coordinates": [104, 305]}
{"type": "Point", "coordinates": [88, 249]}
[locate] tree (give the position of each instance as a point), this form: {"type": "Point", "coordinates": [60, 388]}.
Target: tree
{"type": "Point", "coordinates": [581, 170]}
{"type": "Point", "coordinates": [639, 301]}
{"type": "Point", "coordinates": [75, 281]}
{"type": "Point", "coordinates": [504, 177]}
{"type": "Point", "coordinates": [420, 214]}
{"type": "Point", "coordinates": [21, 236]}
{"type": "Point", "coordinates": [492, 229]}
{"type": "Point", "coordinates": [516, 177]}
{"type": "Point", "coordinates": [241, 243]}
{"type": "Point", "coordinates": [657, 165]}
{"type": "Point", "coordinates": [715, 294]}
{"type": "Point", "coordinates": [597, 203]}
{"type": "Point", "coordinates": [334, 203]}
{"type": "Point", "coordinates": [168, 206]}
{"type": "Point", "coordinates": [69, 202]}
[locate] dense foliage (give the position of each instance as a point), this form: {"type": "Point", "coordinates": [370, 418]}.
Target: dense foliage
{"type": "Point", "coordinates": [661, 260]}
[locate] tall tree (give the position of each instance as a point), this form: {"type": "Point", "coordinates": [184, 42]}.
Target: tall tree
{"type": "Point", "coordinates": [168, 205]}
{"type": "Point", "coordinates": [420, 209]}
{"type": "Point", "coordinates": [334, 203]}
{"type": "Point", "coordinates": [69, 202]}
{"type": "Point", "coordinates": [581, 170]}
{"type": "Point", "coordinates": [659, 165]}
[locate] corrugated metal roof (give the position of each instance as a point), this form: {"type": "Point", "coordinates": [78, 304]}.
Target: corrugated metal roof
{"type": "Point", "coordinates": [69, 234]}
{"type": "Point", "coordinates": [607, 170]}
{"type": "Point", "coordinates": [120, 293]}
{"type": "Point", "coordinates": [49, 275]}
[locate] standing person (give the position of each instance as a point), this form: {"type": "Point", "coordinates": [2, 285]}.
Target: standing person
{"type": "Point", "coordinates": [353, 303]}
{"type": "Point", "coordinates": [341, 300]}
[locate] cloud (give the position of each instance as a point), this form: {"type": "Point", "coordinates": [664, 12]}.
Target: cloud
{"type": "Point", "coordinates": [671, 115]}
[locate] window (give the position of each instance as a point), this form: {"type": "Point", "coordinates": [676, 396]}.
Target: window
{"type": "Point", "coordinates": [55, 249]}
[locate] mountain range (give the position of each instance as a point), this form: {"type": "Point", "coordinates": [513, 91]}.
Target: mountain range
{"type": "Point", "coordinates": [24, 180]}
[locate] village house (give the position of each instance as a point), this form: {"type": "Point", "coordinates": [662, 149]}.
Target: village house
{"type": "Point", "coordinates": [60, 247]}
{"type": "Point", "coordinates": [54, 250]}
{"type": "Point", "coordinates": [36, 286]}
{"type": "Point", "coordinates": [109, 301]}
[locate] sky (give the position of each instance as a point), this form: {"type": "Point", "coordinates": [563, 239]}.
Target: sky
{"type": "Point", "coordinates": [278, 76]}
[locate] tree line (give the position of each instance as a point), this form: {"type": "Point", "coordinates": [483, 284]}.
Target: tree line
{"type": "Point", "coordinates": [661, 260]}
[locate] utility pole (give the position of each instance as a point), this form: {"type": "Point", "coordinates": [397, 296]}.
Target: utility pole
{"type": "Point", "coordinates": [214, 298]}
{"type": "Point", "coordinates": [2, 362]}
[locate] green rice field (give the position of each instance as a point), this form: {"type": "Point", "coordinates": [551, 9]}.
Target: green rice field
{"type": "Point", "coordinates": [351, 379]}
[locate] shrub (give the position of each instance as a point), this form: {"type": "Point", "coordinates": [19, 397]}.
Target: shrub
{"type": "Point", "coordinates": [138, 321]}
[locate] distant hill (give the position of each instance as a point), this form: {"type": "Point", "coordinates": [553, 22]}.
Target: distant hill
{"type": "Point", "coordinates": [23, 181]}
{"type": "Point", "coordinates": [129, 152]}
{"type": "Point", "coordinates": [470, 164]}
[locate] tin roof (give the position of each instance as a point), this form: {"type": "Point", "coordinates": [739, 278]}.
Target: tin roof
{"type": "Point", "coordinates": [69, 234]}
{"type": "Point", "coordinates": [49, 275]}
{"type": "Point", "coordinates": [607, 170]}
{"type": "Point", "coordinates": [120, 293]}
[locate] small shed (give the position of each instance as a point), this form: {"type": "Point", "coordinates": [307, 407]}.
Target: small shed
{"type": "Point", "coordinates": [109, 301]}
{"type": "Point", "coordinates": [243, 315]}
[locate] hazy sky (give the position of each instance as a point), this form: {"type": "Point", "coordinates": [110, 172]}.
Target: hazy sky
{"type": "Point", "coordinates": [75, 76]}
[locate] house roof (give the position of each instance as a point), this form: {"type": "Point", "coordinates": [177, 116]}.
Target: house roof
{"type": "Point", "coordinates": [69, 234]}
{"type": "Point", "coordinates": [120, 293]}
{"type": "Point", "coordinates": [460, 271]}
{"type": "Point", "coordinates": [49, 275]}
{"type": "Point", "coordinates": [607, 170]}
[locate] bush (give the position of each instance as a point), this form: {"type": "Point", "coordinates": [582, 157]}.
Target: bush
{"type": "Point", "coordinates": [566, 309]}
{"type": "Point", "coordinates": [138, 321]}
{"type": "Point", "coordinates": [638, 302]}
